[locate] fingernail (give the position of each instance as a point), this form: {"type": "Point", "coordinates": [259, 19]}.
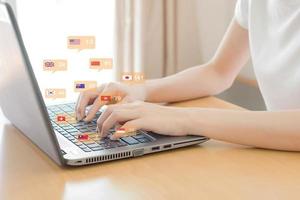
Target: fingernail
{"type": "Point", "coordinates": [112, 137]}
{"type": "Point", "coordinates": [85, 119]}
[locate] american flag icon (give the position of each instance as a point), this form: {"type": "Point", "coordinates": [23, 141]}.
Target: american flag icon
{"type": "Point", "coordinates": [74, 41]}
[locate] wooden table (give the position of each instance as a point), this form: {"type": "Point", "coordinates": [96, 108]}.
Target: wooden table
{"type": "Point", "coordinates": [214, 170]}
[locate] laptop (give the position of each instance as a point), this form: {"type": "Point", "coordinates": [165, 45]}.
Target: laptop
{"type": "Point", "coordinates": [22, 103]}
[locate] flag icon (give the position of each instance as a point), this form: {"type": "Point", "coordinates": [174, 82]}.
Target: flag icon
{"type": "Point", "coordinates": [74, 41]}
{"type": "Point", "coordinates": [80, 86]}
{"type": "Point", "coordinates": [49, 64]}
{"type": "Point", "coordinates": [55, 93]}
{"type": "Point", "coordinates": [95, 63]}
{"type": "Point", "coordinates": [61, 118]}
{"type": "Point", "coordinates": [83, 137]}
{"type": "Point", "coordinates": [127, 77]}
{"type": "Point", "coordinates": [105, 98]}
{"type": "Point", "coordinates": [50, 93]}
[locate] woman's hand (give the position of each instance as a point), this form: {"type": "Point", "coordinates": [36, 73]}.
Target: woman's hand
{"type": "Point", "coordinates": [145, 116]}
{"type": "Point", "coordinates": [128, 93]}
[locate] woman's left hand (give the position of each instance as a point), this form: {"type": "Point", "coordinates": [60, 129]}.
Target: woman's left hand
{"type": "Point", "coordinates": [145, 116]}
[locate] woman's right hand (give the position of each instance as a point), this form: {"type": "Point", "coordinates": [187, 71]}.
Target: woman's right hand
{"type": "Point", "coordinates": [127, 93]}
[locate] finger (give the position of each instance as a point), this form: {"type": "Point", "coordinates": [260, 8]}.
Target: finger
{"type": "Point", "coordinates": [125, 100]}
{"type": "Point", "coordinates": [115, 117]}
{"type": "Point", "coordinates": [107, 112]}
{"type": "Point", "coordinates": [104, 115]}
{"type": "Point", "coordinates": [82, 103]}
{"type": "Point", "coordinates": [94, 109]}
{"type": "Point", "coordinates": [77, 113]}
{"type": "Point", "coordinates": [135, 125]}
{"type": "Point", "coordinates": [86, 98]}
{"type": "Point", "coordinates": [98, 103]}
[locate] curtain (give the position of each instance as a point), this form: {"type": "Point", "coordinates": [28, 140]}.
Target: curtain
{"type": "Point", "coordinates": [162, 37]}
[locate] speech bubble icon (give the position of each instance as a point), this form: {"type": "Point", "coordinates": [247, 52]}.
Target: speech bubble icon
{"type": "Point", "coordinates": [81, 86]}
{"type": "Point", "coordinates": [81, 42]}
{"type": "Point", "coordinates": [54, 93]}
{"type": "Point", "coordinates": [101, 63]}
{"type": "Point", "coordinates": [133, 78]}
{"type": "Point", "coordinates": [55, 65]}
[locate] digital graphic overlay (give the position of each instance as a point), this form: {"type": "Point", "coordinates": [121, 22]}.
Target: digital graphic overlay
{"type": "Point", "coordinates": [81, 86]}
{"type": "Point", "coordinates": [55, 93]}
{"type": "Point", "coordinates": [101, 63]}
{"type": "Point", "coordinates": [55, 65]}
{"type": "Point", "coordinates": [131, 78]}
{"type": "Point", "coordinates": [81, 42]}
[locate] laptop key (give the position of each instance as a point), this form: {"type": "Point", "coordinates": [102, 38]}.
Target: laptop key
{"type": "Point", "coordinates": [130, 140]}
{"type": "Point", "coordinates": [84, 130]}
{"type": "Point", "coordinates": [73, 140]}
{"type": "Point", "coordinates": [75, 134]}
{"type": "Point", "coordinates": [72, 130]}
{"type": "Point", "coordinates": [138, 136]}
{"type": "Point", "coordinates": [120, 143]}
{"type": "Point", "coordinates": [97, 148]}
{"type": "Point", "coordinates": [87, 150]}
{"type": "Point", "coordinates": [78, 143]}
{"type": "Point", "coordinates": [93, 145]}
{"type": "Point", "coordinates": [144, 140]}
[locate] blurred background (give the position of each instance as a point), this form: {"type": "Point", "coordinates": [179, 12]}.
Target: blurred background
{"type": "Point", "coordinates": [157, 37]}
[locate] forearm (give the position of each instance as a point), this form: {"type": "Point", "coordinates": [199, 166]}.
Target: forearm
{"type": "Point", "coordinates": [208, 79]}
{"type": "Point", "coordinates": [270, 130]}
{"type": "Point", "coordinates": [192, 83]}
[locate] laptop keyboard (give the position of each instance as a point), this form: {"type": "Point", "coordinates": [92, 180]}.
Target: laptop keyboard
{"type": "Point", "coordinates": [71, 128]}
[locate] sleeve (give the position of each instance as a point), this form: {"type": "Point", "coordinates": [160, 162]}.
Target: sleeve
{"type": "Point", "coordinates": [241, 13]}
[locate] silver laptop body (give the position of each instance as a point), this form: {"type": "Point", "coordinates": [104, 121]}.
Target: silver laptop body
{"type": "Point", "coordinates": [22, 103]}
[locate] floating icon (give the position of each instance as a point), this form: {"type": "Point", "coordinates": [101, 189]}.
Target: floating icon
{"type": "Point", "coordinates": [80, 86]}
{"type": "Point", "coordinates": [55, 65]}
{"type": "Point", "coordinates": [49, 64]}
{"type": "Point", "coordinates": [133, 77]}
{"type": "Point", "coordinates": [106, 98]}
{"type": "Point", "coordinates": [127, 77]}
{"type": "Point", "coordinates": [101, 63]}
{"type": "Point", "coordinates": [83, 137]}
{"type": "Point", "coordinates": [61, 118]}
{"type": "Point", "coordinates": [55, 93]}
{"type": "Point", "coordinates": [81, 42]}
{"type": "Point", "coordinates": [74, 41]}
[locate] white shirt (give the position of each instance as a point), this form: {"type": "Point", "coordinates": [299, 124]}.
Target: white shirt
{"type": "Point", "coordinates": [274, 33]}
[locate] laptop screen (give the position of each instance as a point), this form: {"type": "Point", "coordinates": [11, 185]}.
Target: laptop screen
{"type": "Point", "coordinates": [20, 97]}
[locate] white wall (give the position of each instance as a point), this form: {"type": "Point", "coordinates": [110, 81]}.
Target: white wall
{"type": "Point", "coordinates": [205, 22]}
